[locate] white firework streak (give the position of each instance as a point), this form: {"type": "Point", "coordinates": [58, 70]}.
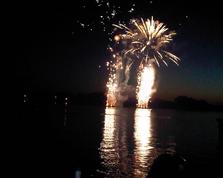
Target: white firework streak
{"type": "Point", "coordinates": [147, 39]}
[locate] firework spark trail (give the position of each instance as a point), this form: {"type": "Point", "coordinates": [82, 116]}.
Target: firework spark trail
{"type": "Point", "coordinates": [112, 89]}
{"type": "Point", "coordinates": [113, 82]}
{"type": "Point", "coordinates": [145, 87]}
{"type": "Point", "coordinates": [118, 81]}
{"type": "Point", "coordinates": [145, 44]}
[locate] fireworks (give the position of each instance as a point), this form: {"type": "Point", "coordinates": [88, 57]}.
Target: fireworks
{"type": "Point", "coordinates": [106, 12]}
{"type": "Point", "coordinates": [117, 82]}
{"type": "Point", "coordinates": [145, 86]}
{"type": "Point", "coordinates": [143, 43]}
{"type": "Point", "coordinates": [147, 40]}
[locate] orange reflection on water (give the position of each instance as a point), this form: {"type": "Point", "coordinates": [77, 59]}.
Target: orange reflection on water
{"type": "Point", "coordinates": [108, 147]}
{"type": "Point", "coordinates": [109, 128]}
{"type": "Point", "coordinates": [142, 135]}
{"type": "Point", "coordinates": [125, 149]}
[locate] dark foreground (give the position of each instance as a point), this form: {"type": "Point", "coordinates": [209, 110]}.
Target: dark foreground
{"type": "Point", "coordinates": [42, 147]}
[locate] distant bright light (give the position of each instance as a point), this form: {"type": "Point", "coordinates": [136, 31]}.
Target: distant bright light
{"type": "Point", "coordinates": [113, 13]}
{"type": "Point", "coordinates": [116, 37]}
{"type": "Point", "coordinates": [82, 25]}
{"type": "Point", "coordinates": [131, 10]}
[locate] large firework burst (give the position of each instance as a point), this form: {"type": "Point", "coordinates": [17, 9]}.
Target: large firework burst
{"type": "Point", "coordinates": [147, 40]}
{"type": "Point", "coordinates": [144, 44]}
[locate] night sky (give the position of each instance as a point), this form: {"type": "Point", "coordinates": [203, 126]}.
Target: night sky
{"type": "Point", "coordinates": [63, 48]}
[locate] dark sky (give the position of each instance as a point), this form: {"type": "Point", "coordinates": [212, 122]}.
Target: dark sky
{"type": "Point", "coordinates": [54, 52]}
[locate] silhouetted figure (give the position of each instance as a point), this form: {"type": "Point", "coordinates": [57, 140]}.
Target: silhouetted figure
{"type": "Point", "coordinates": [167, 166]}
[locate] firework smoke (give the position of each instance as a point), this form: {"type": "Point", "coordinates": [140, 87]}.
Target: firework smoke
{"type": "Point", "coordinates": [118, 88]}
{"type": "Point", "coordinates": [141, 43]}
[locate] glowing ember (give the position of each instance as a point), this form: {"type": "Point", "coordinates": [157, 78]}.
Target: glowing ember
{"type": "Point", "coordinates": [111, 96]}
{"type": "Point", "coordinates": [145, 87]}
{"type": "Point", "coordinates": [116, 38]}
{"type": "Point", "coordinates": [113, 81]}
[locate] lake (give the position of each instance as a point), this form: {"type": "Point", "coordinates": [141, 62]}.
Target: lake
{"type": "Point", "coordinates": [115, 142]}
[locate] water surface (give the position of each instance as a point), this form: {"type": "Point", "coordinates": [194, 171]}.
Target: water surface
{"type": "Point", "coordinates": [130, 139]}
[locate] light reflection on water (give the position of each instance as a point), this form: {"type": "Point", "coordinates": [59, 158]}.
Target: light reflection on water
{"type": "Point", "coordinates": [128, 144]}
{"type": "Point", "coordinates": [113, 146]}
{"type": "Point", "coordinates": [142, 135]}
{"type": "Point", "coordinates": [109, 143]}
